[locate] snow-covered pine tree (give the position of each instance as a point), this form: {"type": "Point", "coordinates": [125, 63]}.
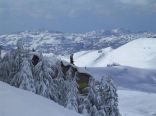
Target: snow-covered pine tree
{"type": "Point", "coordinates": [72, 102]}
{"type": "Point", "coordinates": [81, 105]}
{"type": "Point", "coordinates": [49, 74]}
{"type": "Point", "coordinates": [92, 95]}
{"type": "Point", "coordinates": [93, 98]}
{"type": "Point", "coordinates": [20, 69]}
{"type": "Point", "coordinates": [10, 65]}
{"type": "Point", "coordinates": [108, 98]}
{"type": "Point", "coordinates": [24, 78]}
{"type": "Point", "coordinates": [5, 69]}
{"type": "Point", "coordinates": [20, 51]}
{"type": "Point", "coordinates": [94, 111]}
{"type": "Point", "coordinates": [103, 98]}
{"type": "Point", "coordinates": [62, 89]}
{"type": "Point", "coordinates": [63, 85]}
{"type": "Point", "coordinates": [42, 77]}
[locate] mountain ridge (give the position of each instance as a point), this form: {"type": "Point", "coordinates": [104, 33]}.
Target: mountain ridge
{"type": "Point", "coordinates": [67, 43]}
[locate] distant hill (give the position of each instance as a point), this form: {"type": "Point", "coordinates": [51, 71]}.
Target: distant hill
{"type": "Point", "coordinates": [67, 43]}
{"type": "Point", "coordinates": [139, 53]}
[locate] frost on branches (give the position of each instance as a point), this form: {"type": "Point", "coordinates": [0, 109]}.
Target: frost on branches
{"type": "Point", "coordinates": [46, 78]}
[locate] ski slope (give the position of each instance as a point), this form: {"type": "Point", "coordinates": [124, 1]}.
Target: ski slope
{"type": "Point", "coordinates": [140, 53]}
{"type": "Point", "coordinates": [17, 102]}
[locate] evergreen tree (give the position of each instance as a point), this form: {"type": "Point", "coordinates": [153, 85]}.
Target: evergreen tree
{"type": "Point", "coordinates": [20, 51]}
{"type": "Point", "coordinates": [103, 98]}
{"type": "Point", "coordinates": [73, 95]}
{"type": "Point", "coordinates": [108, 101]}
{"type": "Point", "coordinates": [24, 78]}
{"type": "Point", "coordinates": [42, 76]}
{"type": "Point", "coordinates": [93, 97]}
{"type": "Point", "coordinates": [62, 90]}
{"type": "Point", "coordinates": [9, 66]}
{"type": "Point", "coordinates": [82, 101]}
{"type": "Point", "coordinates": [5, 69]}
{"type": "Point", "coordinates": [94, 111]}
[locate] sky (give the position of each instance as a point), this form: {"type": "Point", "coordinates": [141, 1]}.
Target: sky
{"type": "Point", "coordinates": [77, 15]}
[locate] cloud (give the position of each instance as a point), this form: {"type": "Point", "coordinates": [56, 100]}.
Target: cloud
{"type": "Point", "coordinates": [139, 6]}
{"type": "Point", "coordinates": [72, 8]}
{"type": "Point", "coordinates": [56, 8]}
{"type": "Point", "coordinates": [135, 2]}
{"type": "Point", "coordinates": [66, 13]}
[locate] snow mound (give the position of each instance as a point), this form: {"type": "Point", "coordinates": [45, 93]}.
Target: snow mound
{"type": "Point", "coordinates": [17, 102]}
{"type": "Point", "coordinates": [140, 53]}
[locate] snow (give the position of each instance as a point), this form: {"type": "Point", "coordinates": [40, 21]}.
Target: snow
{"type": "Point", "coordinates": [135, 103]}
{"type": "Point", "coordinates": [140, 53]}
{"type": "Point", "coordinates": [17, 102]}
{"type": "Point", "coordinates": [88, 58]}
{"type": "Point", "coordinates": [136, 88]}
{"type": "Point", "coordinates": [128, 77]}
{"type": "Point", "coordinates": [135, 78]}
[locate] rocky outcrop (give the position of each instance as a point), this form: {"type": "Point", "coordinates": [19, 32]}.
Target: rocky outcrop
{"type": "Point", "coordinates": [82, 78]}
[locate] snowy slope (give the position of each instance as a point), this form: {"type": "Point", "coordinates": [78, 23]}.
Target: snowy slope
{"type": "Point", "coordinates": [136, 89]}
{"type": "Point", "coordinates": [135, 103]}
{"type": "Point", "coordinates": [139, 53]}
{"type": "Point", "coordinates": [128, 77]}
{"type": "Point", "coordinates": [17, 102]}
{"type": "Point", "coordinates": [93, 56]}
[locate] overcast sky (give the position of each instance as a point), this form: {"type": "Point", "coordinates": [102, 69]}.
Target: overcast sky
{"type": "Point", "coordinates": [76, 15]}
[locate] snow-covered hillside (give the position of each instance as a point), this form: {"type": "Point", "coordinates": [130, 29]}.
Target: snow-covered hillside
{"type": "Point", "coordinates": [17, 102]}
{"type": "Point", "coordinates": [67, 43]}
{"type": "Point", "coordinates": [129, 61]}
{"type": "Point", "coordinates": [139, 53]}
